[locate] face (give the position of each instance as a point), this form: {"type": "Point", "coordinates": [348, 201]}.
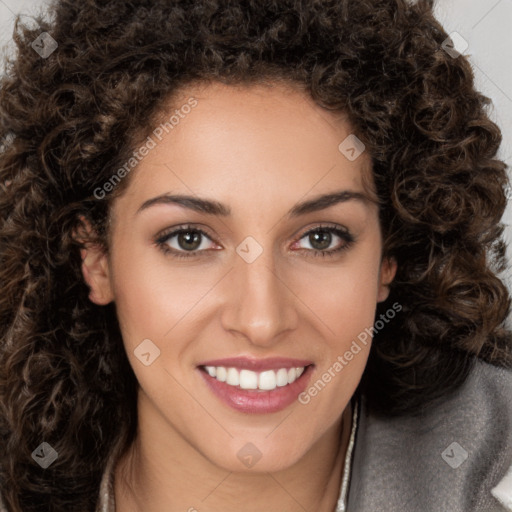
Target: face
{"type": "Point", "coordinates": [264, 274]}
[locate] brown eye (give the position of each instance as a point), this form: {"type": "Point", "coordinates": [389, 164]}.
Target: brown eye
{"type": "Point", "coordinates": [320, 239]}
{"type": "Point", "coordinates": [183, 240]}
{"type": "Point", "coordinates": [323, 237]}
{"type": "Point", "coordinates": [189, 240]}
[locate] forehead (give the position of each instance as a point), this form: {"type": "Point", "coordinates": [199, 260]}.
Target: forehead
{"type": "Point", "coordinates": [249, 140]}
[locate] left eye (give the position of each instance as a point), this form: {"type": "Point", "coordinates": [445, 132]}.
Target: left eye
{"type": "Point", "coordinates": [321, 238]}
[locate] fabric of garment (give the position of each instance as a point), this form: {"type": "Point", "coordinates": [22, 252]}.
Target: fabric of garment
{"type": "Point", "coordinates": [454, 457]}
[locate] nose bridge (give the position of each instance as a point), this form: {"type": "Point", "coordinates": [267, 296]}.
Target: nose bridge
{"type": "Point", "coordinates": [260, 304]}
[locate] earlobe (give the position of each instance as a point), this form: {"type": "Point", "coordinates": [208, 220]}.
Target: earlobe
{"type": "Point", "coordinates": [95, 270]}
{"type": "Point", "coordinates": [387, 274]}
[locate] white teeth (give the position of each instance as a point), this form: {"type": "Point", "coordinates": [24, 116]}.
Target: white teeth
{"type": "Point", "coordinates": [248, 379]}
{"type": "Point", "coordinates": [221, 373]}
{"type": "Point", "coordinates": [211, 370]}
{"type": "Point", "coordinates": [282, 377]}
{"type": "Point", "coordinates": [233, 378]}
{"type": "Point", "coordinates": [267, 380]}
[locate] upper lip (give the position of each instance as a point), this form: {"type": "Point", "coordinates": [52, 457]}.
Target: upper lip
{"type": "Point", "coordinates": [250, 363]}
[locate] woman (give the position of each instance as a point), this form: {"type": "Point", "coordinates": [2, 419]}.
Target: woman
{"type": "Point", "coordinates": [250, 261]}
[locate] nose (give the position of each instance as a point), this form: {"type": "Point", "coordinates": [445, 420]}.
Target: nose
{"type": "Point", "coordinates": [260, 304]}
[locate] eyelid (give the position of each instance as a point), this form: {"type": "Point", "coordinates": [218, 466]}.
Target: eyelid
{"type": "Point", "coordinates": [323, 225]}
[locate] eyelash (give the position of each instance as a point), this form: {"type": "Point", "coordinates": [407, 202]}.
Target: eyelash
{"type": "Point", "coordinates": [162, 239]}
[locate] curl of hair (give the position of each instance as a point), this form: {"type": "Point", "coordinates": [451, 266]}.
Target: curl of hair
{"type": "Point", "coordinates": [71, 119]}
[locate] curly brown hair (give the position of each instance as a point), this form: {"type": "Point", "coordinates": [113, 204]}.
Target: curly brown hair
{"type": "Point", "coordinates": [72, 117]}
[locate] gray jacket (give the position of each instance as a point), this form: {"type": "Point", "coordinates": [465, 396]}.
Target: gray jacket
{"type": "Point", "coordinates": [447, 460]}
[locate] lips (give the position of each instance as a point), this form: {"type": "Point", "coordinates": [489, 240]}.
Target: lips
{"type": "Point", "coordinates": [256, 385]}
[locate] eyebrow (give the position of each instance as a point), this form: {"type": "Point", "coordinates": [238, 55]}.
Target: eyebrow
{"type": "Point", "coordinates": [212, 207]}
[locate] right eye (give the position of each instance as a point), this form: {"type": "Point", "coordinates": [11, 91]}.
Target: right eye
{"type": "Point", "coordinates": [182, 240]}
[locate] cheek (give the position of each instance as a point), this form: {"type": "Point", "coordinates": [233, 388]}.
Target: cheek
{"type": "Point", "coordinates": [344, 296]}
{"type": "Point", "coordinates": [153, 296]}
{"type": "Point", "coordinates": [141, 293]}
{"type": "Point", "coordinates": [347, 309]}
{"type": "Point", "coordinates": [346, 305]}
{"type": "Point", "coordinates": [138, 300]}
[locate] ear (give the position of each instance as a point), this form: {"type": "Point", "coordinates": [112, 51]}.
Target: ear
{"type": "Point", "coordinates": [386, 275]}
{"type": "Point", "coordinates": [95, 268]}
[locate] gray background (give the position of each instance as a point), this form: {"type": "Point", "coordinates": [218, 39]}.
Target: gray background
{"type": "Point", "coordinates": [486, 25]}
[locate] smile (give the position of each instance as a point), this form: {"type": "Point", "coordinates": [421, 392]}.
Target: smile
{"type": "Point", "coordinates": [256, 385]}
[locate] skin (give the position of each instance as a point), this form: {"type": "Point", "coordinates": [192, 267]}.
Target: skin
{"type": "Point", "coordinates": [259, 151]}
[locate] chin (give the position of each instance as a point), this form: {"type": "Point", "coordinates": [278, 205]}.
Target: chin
{"type": "Point", "coordinates": [252, 457]}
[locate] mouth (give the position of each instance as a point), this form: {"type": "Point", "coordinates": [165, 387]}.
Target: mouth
{"type": "Point", "coordinates": [247, 379]}
{"type": "Point", "coordinates": [263, 390]}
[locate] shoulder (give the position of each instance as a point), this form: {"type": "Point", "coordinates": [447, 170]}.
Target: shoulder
{"type": "Point", "coordinates": [449, 457]}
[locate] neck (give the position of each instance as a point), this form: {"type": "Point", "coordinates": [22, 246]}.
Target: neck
{"type": "Point", "coordinates": [151, 479]}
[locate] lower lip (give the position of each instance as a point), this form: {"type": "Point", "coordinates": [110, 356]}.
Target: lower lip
{"type": "Point", "coordinates": [254, 401]}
